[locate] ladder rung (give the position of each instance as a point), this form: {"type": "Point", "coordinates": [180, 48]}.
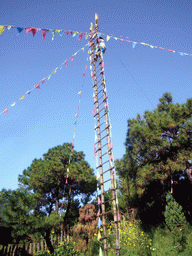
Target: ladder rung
{"type": "Point", "coordinates": [99, 112]}
{"type": "Point", "coordinates": [103, 182]}
{"type": "Point", "coordinates": [99, 92]}
{"type": "Point", "coordinates": [97, 83]}
{"type": "Point", "coordinates": [109, 248]}
{"type": "Point", "coordinates": [104, 154]}
{"type": "Point", "coordinates": [101, 102]}
{"type": "Point", "coordinates": [101, 214]}
{"type": "Point", "coordinates": [101, 147]}
{"type": "Point", "coordinates": [98, 99]}
{"type": "Point", "coordinates": [105, 128]}
{"type": "Point", "coordinates": [102, 138]}
{"type": "Point", "coordinates": [99, 126]}
{"type": "Point", "coordinates": [104, 114]}
{"type": "Point", "coordinates": [108, 170]}
{"type": "Point", "coordinates": [102, 164]}
{"type": "Point", "coordinates": [106, 237]}
{"type": "Point", "coordinates": [110, 200]}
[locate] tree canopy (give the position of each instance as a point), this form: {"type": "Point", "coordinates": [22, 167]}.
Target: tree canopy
{"type": "Point", "coordinates": [158, 150]}
{"type": "Point", "coordinates": [44, 193]}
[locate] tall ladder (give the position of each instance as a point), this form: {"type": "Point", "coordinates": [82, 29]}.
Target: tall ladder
{"type": "Point", "coordinates": [103, 143]}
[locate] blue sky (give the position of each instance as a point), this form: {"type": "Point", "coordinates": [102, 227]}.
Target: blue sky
{"type": "Point", "coordinates": [45, 118]}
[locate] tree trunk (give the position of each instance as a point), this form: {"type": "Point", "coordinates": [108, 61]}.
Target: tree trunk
{"type": "Point", "coordinates": [48, 241]}
{"type": "Point", "coordinates": [189, 174]}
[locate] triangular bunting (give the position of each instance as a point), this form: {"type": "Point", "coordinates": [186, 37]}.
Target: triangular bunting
{"type": "Point", "coordinates": [44, 32]}
{"type": "Point", "coordinates": [108, 37]}
{"type": "Point", "coordinates": [37, 86]}
{"type": "Point", "coordinates": [6, 110]}
{"type": "Point", "coordinates": [19, 30]}
{"type": "Point", "coordinates": [34, 30]}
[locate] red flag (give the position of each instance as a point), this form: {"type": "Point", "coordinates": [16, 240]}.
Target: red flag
{"type": "Point", "coordinates": [91, 74]}
{"type": "Point", "coordinates": [34, 30]}
{"type": "Point", "coordinates": [160, 48]}
{"type": "Point", "coordinates": [71, 58]}
{"type": "Point", "coordinates": [6, 110]}
{"type": "Point", "coordinates": [67, 32]}
{"type": "Point", "coordinates": [128, 41]}
{"type": "Point", "coordinates": [66, 63]}
{"type": "Point", "coordinates": [80, 37]}
{"type": "Point", "coordinates": [83, 74]}
{"type": "Point", "coordinates": [169, 50]}
{"type": "Point", "coordinates": [71, 32]}
{"type": "Point", "coordinates": [37, 86]}
{"type": "Point", "coordinates": [44, 33]}
{"type": "Point", "coordinates": [43, 82]}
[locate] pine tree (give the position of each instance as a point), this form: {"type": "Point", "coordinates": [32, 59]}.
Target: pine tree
{"type": "Point", "coordinates": [174, 217]}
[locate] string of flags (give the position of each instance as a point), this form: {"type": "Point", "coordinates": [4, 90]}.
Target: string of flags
{"type": "Point", "coordinates": [42, 81]}
{"type": "Point", "coordinates": [142, 43]}
{"type": "Point", "coordinates": [75, 123]}
{"type": "Point", "coordinates": [44, 31]}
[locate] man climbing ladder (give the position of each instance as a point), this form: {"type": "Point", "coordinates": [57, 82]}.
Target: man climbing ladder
{"type": "Point", "coordinates": [100, 47]}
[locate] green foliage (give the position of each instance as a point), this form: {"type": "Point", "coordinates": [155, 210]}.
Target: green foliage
{"type": "Point", "coordinates": [158, 147]}
{"type": "Point", "coordinates": [175, 218]}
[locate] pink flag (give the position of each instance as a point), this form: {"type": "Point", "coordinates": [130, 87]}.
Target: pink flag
{"type": "Point", "coordinates": [93, 111]}
{"type": "Point", "coordinates": [118, 216]}
{"type": "Point", "coordinates": [83, 74]}
{"type": "Point", "coordinates": [91, 43]}
{"type": "Point", "coordinates": [102, 64]}
{"type": "Point", "coordinates": [111, 157]}
{"type": "Point", "coordinates": [111, 146]}
{"type": "Point", "coordinates": [121, 39]}
{"type": "Point", "coordinates": [44, 33]}
{"type": "Point", "coordinates": [27, 30]}
{"type": "Point", "coordinates": [6, 110]}
{"type": "Point", "coordinates": [34, 30]}
{"type": "Point", "coordinates": [80, 37]}
{"type": "Point", "coordinates": [67, 175]}
{"type": "Point", "coordinates": [98, 213]}
{"type": "Point", "coordinates": [66, 63]}
{"type": "Point", "coordinates": [71, 149]}
{"type": "Point", "coordinates": [95, 148]}
{"type": "Point", "coordinates": [66, 182]}
{"type": "Point", "coordinates": [128, 41]}
{"type": "Point", "coordinates": [169, 50]}
{"type": "Point", "coordinates": [95, 154]}
{"type": "Point", "coordinates": [85, 67]}
{"type": "Point", "coordinates": [91, 74]}
{"type": "Point", "coordinates": [78, 108]}
{"type": "Point", "coordinates": [71, 58]}
{"type": "Point", "coordinates": [99, 201]}
{"type": "Point", "coordinates": [106, 105]}
{"type": "Point", "coordinates": [171, 181]}
{"type": "Point", "coordinates": [102, 70]}
{"type": "Point", "coordinates": [43, 82]}
{"type": "Point", "coordinates": [76, 115]}
{"type": "Point", "coordinates": [37, 86]}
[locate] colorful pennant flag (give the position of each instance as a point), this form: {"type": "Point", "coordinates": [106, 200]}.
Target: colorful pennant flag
{"type": "Point", "coordinates": [2, 28]}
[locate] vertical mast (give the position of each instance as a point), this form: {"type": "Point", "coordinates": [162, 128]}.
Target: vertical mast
{"type": "Point", "coordinates": [104, 141]}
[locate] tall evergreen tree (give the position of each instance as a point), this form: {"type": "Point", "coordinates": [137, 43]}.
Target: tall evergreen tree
{"type": "Point", "coordinates": [158, 147]}
{"type": "Point", "coordinates": [44, 183]}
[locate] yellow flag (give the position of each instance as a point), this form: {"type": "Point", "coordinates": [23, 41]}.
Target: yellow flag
{"type": "Point", "coordinates": [80, 92]}
{"type": "Point", "coordinates": [22, 98]}
{"type": "Point", "coordinates": [54, 71]}
{"type": "Point", "coordinates": [143, 43]}
{"type": "Point", "coordinates": [1, 29]}
{"type": "Point", "coordinates": [98, 176]}
{"type": "Point", "coordinates": [91, 27]}
{"type": "Point", "coordinates": [58, 31]}
{"type": "Point", "coordinates": [99, 236]}
{"type": "Point", "coordinates": [108, 37]}
{"type": "Point", "coordinates": [82, 48]}
{"type": "Point", "coordinates": [89, 57]}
